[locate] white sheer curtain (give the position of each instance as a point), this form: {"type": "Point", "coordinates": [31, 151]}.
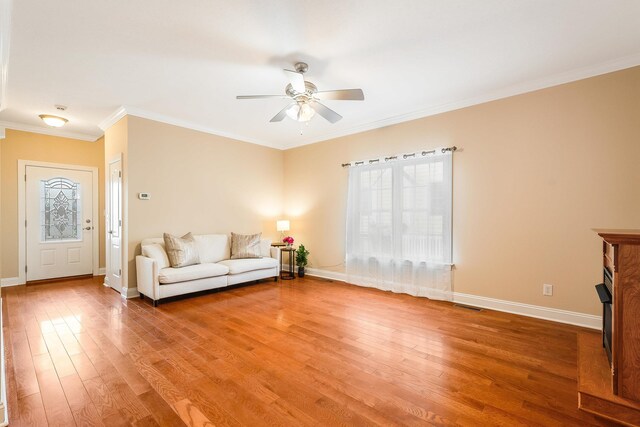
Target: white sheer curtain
{"type": "Point", "coordinates": [399, 226]}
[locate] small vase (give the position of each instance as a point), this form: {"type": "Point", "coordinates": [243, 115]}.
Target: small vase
{"type": "Point", "coordinates": [300, 271]}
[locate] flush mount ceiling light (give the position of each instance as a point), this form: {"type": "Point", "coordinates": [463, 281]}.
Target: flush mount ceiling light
{"type": "Point", "coordinates": [54, 121]}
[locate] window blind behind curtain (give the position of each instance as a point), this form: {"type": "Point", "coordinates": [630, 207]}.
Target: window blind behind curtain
{"type": "Point", "coordinates": [399, 226]}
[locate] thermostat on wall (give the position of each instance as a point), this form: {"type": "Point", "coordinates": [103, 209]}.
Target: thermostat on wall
{"type": "Point", "coordinates": [144, 196]}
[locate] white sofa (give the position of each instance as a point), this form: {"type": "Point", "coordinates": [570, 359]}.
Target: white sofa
{"type": "Point", "coordinates": [158, 280]}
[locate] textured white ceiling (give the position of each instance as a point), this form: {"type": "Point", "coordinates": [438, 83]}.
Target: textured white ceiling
{"type": "Point", "coordinates": [185, 61]}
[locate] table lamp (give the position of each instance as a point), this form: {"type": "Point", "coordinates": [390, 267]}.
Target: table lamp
{"type": "Point", "coordinates": [282, 226]}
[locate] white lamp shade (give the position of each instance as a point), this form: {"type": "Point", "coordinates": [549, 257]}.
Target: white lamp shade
{"type": "Point", "coordinates": [301, 112]}
{"type": "Point", "coordinates": [283, 225]}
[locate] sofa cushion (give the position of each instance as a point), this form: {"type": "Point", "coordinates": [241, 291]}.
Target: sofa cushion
{"type": "Point", "coordinates": [237, 266]}
{"type": "Point", "coordinates": [265, 247]}
{"type": "Point", "coordinates": [156, 252]}
{"type": "Point", "coordinates": [191, 272]}
{"type": "Point", "coordinates": [182, 251]}
{"type": "Point", "coordinates": [212, 247]}
{"type": "Point", "coordinates": [245, 246]}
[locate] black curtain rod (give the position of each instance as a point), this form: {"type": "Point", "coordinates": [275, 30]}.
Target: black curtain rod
{"type": "Point", "coordinates": [404, 156]}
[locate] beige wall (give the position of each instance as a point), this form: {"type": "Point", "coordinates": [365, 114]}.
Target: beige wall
{"type": "Point", "coordinates": [535, 174]}
{"type": "Point", "coordinates": [198, 182]}
{"type": "Point", "coordinates": [20, 145]}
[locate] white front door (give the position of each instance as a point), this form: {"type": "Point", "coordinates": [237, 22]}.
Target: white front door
{"type": "Point", "coordinates": [59, 214]}
{"type": "Point", "coordinates": [114, 226]}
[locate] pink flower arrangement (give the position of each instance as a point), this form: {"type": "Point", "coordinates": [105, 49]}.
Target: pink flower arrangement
{"type": "Point", "coordinates": [288, 240]}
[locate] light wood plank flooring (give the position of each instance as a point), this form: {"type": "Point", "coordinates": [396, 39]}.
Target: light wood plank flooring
{"type": "Point", "coordinates": [301, 352]}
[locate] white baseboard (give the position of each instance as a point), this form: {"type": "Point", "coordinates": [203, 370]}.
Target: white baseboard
{"type": "Point", "coordinates": [556, 315]}
{"type": "Point", "coordinates": [129, 293]}
{"type": "Point", "coordinates": [326, 274]}
{"type": "Point", "coordinates": [11, 281]}
{"type": "Point", "coordinates": [101, 271]}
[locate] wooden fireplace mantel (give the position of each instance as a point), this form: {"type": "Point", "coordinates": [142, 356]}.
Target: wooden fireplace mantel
{"type": "Point", "coordinates": [617, 237]}
{"type": "Point", "coordinates": [618, 396]}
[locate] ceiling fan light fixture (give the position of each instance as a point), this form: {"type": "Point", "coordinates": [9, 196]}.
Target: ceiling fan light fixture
{"type": "Point", "coordinates": [301, 112]}
{"type": "Point", "coordinates": [53, 121]}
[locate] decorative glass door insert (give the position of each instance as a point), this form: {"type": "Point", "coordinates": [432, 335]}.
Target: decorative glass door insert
{"type": "Point", "coordinates": [60, 210]}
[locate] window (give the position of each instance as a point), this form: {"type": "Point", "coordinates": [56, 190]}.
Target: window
{"type": "Point", "coordinates": [399, 223]}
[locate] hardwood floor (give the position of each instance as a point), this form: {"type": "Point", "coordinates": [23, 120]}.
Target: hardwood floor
{"type": "Point", "coordinates": [301, 352]}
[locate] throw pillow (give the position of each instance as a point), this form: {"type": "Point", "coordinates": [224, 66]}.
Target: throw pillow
{"type": "Point", "coordinates": [181, 251]}
{"type": "Point", "coordinates": [265, 248]}
{"type": "Point", "coordinates": [245, 246]}
{"type": "Point", "coordinates": [156, 252]}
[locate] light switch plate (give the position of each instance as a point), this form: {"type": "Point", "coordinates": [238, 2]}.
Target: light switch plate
{"type": "Point", "coordinates": [144, 196]}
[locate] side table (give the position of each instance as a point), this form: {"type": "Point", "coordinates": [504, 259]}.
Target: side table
{"type": "Point", "coordinates": [289, 273]}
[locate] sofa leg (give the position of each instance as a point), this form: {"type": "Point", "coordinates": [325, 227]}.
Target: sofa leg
{"type": "Point", "coordinates": [155, 302]}
{"type": "Point", "coordinates": [275, 279]}
{"type": "Point", "coordinates": [141, 296]}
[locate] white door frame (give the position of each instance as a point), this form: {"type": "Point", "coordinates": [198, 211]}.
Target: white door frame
{"type": "Point", "coordinates": [22, 246]}
{"type": "Point", "coordinates": [107, 206]}
{"type": "Point", "coordinates": [127, 291]}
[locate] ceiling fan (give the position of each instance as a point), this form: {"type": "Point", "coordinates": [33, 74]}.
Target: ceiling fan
{"type": "Point", "coordinates": [306, 98]}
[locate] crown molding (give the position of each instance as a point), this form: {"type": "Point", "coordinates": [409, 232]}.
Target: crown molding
{"type": "Point", "coordinates": [157, 117]}
{"type": "Point", "coordinates": [525, 87]}
{"type": "Point", "coordinates": [5, 39]}
{"type": "Point", "coordinates": [47, 131]}
{"type": "Point", "coordinates": [138, 112]}
{"type": "Point", "coordinates": [506, 92]}
{"type": "Point", "coordinates": [112, 119]}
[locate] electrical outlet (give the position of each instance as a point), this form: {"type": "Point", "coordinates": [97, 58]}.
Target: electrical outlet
{"type": "Point", "coordinates": [547, 290]}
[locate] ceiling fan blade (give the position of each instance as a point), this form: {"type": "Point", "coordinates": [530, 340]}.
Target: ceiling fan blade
{"type": "Point", "coordinates": [282, 114]}
{"type": "Point", "coordinates": [340, 95]}
{"type": "Point", "coordinates": [261, 96]}
{"type": "Point", "coordinates": [326, 112]}
{"type": "Point", "coordinates": [297, 81]}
